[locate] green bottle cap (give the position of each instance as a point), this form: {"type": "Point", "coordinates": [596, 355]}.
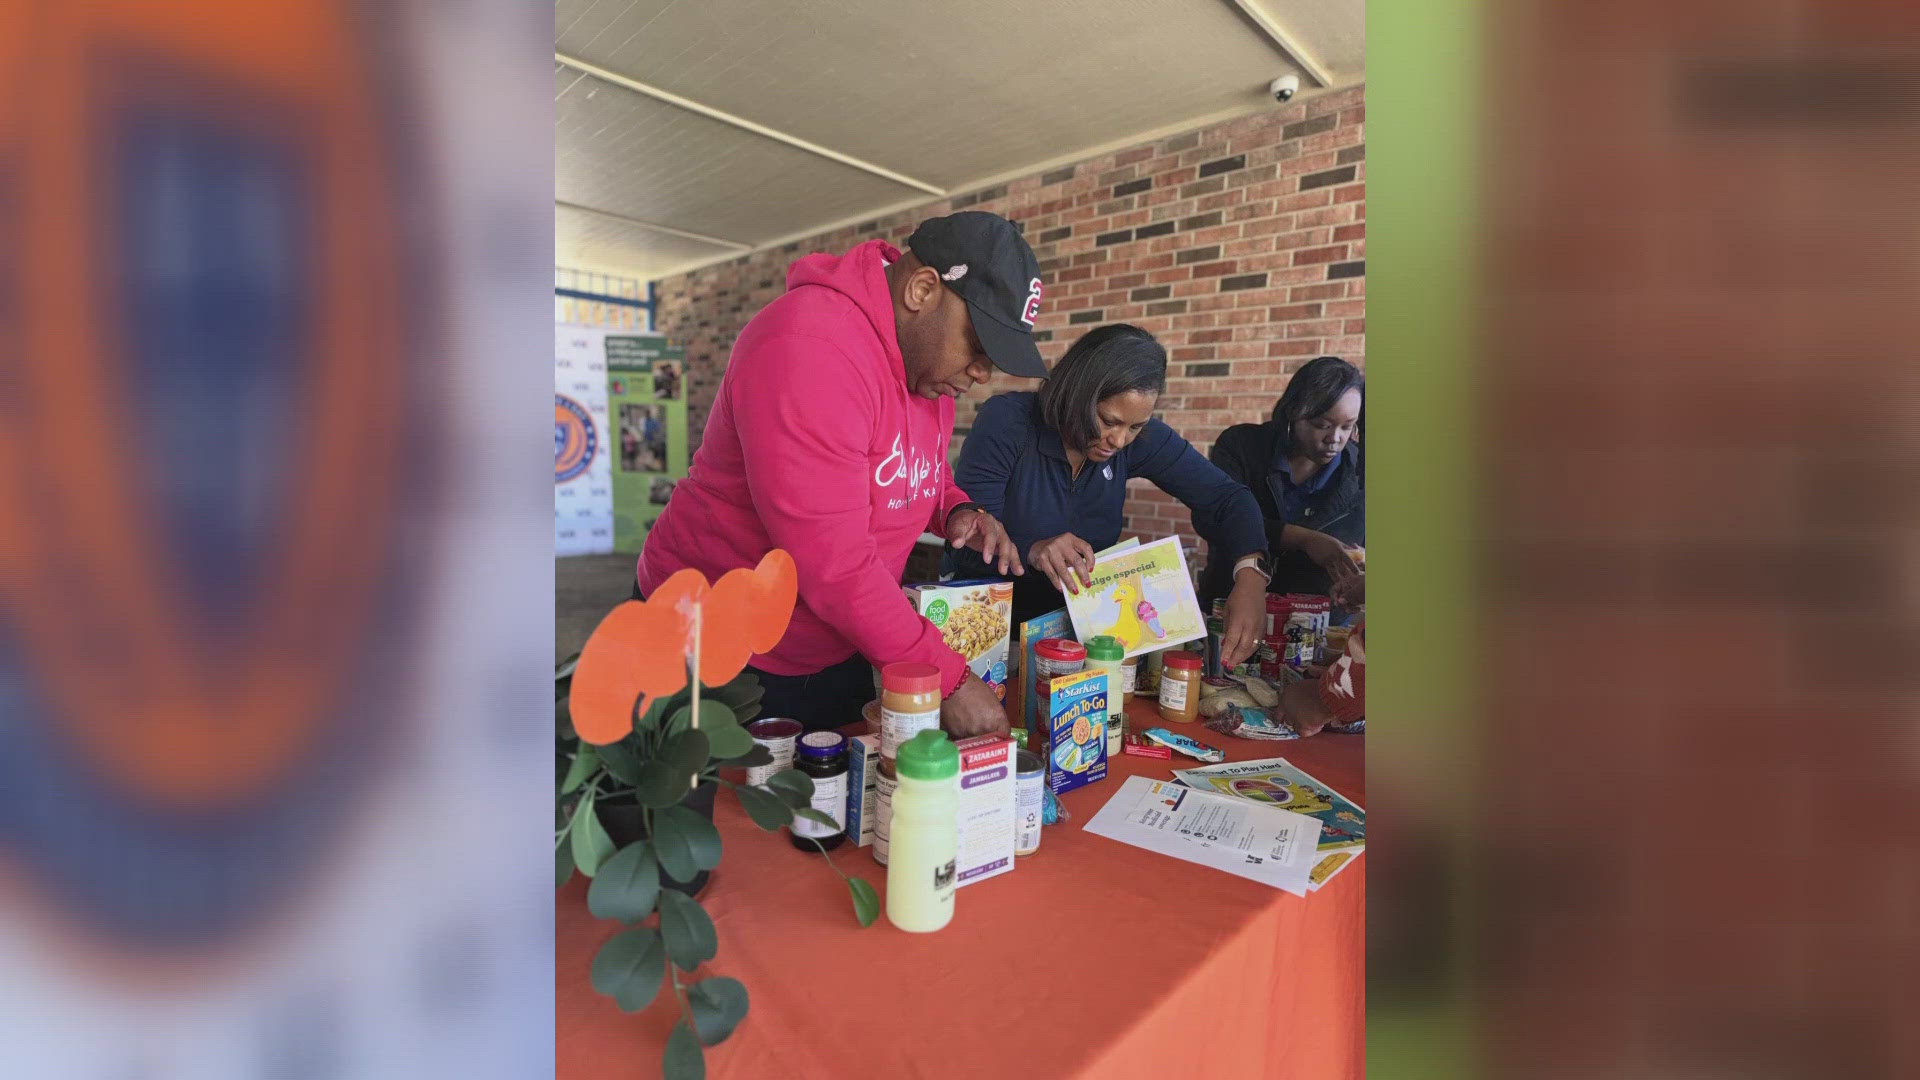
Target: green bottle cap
{"type": "Point", "coordinates": [928, 756]}
{"type": "Point", "coordinates": [1106, 647]}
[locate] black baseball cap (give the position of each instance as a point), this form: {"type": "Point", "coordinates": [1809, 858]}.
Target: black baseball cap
{"type": "Point", "coordinates": [984, 259]}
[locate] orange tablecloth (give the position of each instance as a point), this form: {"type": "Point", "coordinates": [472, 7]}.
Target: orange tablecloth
{"type": "Point", "coordinates": [1092, 958]}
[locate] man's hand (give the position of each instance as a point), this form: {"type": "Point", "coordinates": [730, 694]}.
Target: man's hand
{"type": "Point", "coordinates": [973, 527]}
{"type": "Point", "coordinates": [1246, 617]}
{"type": "Point", "coordinates": [1330, 554]}
{"type": "Point", "coordinates": [973, 710]}
{"type": "Point", "coordinates": [1301, 707]}
{"type": "Point", "coordinates": [1067, 561]}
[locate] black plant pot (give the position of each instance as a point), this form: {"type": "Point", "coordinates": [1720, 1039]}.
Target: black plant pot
{"type": "Point", "coordinates": [621, 816]}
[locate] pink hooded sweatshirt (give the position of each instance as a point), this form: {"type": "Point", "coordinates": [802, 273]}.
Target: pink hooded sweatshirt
{"type": "Point", "coordinates": [815, 445]}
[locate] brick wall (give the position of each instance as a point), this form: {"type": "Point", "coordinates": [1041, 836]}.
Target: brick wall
{"type": "Point", "coordinates": [1242, 247]}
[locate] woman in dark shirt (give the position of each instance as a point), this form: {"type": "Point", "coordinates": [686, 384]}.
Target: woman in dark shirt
{"type": "Point", "coordinates": [1306, 469]}
{"type": "Point", "coordinates": [1053, 467]}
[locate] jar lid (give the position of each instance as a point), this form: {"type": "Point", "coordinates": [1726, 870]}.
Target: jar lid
{"type": "Point", "coordinates": [1059, 648]}
{"type": "Point", "coordinates": [928, 756]}
{"type": "Point", "coordinates": [1184, 660]}
{"type": "Point", "coordinates": [910, 678]}
{"type": "Point", "coordinates": [1105, 647]}
{"type": "Point", "coordinates": [823, 744]}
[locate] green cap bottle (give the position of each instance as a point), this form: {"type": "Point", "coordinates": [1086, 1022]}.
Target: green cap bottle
{"type": "Point", "coordinates": [928, 756]}
{"type": "Point", "coordinates": [1106, 647]}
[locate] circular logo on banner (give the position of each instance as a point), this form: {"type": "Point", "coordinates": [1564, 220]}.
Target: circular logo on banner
{"type": "Point", "coordinates": [575, 440]}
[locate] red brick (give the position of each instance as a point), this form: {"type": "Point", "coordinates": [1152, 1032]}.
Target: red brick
{"type": "Point", "coordinates": [1350, 232]}
{"type": "Point", "coordinates": [1306, 200]}
{"type": "Point", "coordinates": [1334, 253]}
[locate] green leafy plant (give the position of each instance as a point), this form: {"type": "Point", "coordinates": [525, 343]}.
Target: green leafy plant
{"type": "Point", "coordinates": [645, 882]}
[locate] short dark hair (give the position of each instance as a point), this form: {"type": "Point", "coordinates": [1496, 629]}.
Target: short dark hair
{"type": "Point", "coordinates": [1313, 390]}
{"type": "Point", "coordinates": [1107, 360]}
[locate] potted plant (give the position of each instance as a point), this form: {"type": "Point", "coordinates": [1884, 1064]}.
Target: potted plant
{"type": "Point", "coordinates": [635, 789]}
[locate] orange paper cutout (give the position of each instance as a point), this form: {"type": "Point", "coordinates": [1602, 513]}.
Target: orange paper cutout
{"type": "Point", "coordinates": [640, 650]}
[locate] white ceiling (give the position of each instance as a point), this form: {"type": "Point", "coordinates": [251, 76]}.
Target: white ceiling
{"type": "Point", "coordinates": [950, 97]}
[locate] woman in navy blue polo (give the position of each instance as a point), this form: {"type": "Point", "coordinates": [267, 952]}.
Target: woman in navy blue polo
{"type": "Point", "coordinates": [1053, 466]}
{"type": "Point", "coordinates": [1306, 470]}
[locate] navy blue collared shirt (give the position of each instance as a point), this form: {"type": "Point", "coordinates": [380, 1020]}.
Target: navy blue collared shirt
{"type": "Point", "coordinates": [1295, 496]}
{"type": "Point", "coordinates": [1016, 466]}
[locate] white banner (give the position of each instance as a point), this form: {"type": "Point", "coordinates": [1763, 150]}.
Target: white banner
{"type": "Point", "coordinates": [582, 448]}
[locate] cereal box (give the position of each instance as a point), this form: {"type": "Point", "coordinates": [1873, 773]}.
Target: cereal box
{"type": "Point", "coordinates": [863, 775]}
{"type": "Point", "coordinates": [987, 816]}
{"type": "Point", "coordinates": [1076, 743]}
{"type": "Point", "coordinates": [974, 618]}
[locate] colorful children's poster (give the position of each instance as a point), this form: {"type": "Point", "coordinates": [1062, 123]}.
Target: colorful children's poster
{"type": "Point", "coordinates": [1141, 595]}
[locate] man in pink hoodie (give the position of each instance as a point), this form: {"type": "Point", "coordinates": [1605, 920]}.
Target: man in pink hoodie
{"type": "Point", "coordinates": [829, 437]}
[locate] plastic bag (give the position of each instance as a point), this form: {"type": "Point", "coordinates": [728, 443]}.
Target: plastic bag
{"type": "Point", "coordinates": [1252, 723]}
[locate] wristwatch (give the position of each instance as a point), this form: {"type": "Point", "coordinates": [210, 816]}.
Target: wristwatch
{"type": "Point", "coordinates": [1258, 561]}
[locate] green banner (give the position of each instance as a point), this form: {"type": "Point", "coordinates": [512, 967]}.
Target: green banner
{"type": "Point", "coordinates": [647, 410]}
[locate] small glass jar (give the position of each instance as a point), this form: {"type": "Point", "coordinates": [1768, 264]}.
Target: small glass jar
{"type": "Point", "coordinates": [1058, 656]}
{"type": "Point", "coordinates": [1052, 657]}
{"type": "Point", "coordinates": [909, 705]}
{"type": "Point", "coordinates": [823, 756]}
{"type": "Point", "coordinates": [1180, 687]}
{"type": "Point", "coordinates": [1129, 679]}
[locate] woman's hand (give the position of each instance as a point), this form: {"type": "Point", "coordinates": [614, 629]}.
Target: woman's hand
{"type": "Point", "coordinates": [1329, 554]}
{"type": "Point", "coordinates": [973, 527]}
{"type": "Point", "coordinates": [1067, 561]}
{"type": "Point", "coordinates": [1246, 618]}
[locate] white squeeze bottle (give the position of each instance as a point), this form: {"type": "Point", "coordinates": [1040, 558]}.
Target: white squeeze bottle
{"type": "Point", "coordinates": [925, 836]}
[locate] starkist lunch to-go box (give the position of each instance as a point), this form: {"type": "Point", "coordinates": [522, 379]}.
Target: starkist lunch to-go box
{"type": "Point", "coordinates": [974, 618]}
{"type": "Point", "coordinates": [1074, 735]}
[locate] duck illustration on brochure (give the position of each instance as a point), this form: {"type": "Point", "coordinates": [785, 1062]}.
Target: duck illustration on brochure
{"type": "Point", "coordinates": [1142, 595]}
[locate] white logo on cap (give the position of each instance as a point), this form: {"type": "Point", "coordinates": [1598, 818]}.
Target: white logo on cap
{"type": "Point", "coordinates": [1032, 310]}
{"type": "Point", "coordinates": [955, 274]}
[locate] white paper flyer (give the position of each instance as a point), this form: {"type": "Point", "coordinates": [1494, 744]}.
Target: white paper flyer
{"type": "Point", "coordinates": [1243, 838]}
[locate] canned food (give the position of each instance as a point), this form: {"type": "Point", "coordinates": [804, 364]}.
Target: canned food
{"type": "Point", "coordinates": [779, 736]}
{"type": "Point", "coordinates": [1029, 799]}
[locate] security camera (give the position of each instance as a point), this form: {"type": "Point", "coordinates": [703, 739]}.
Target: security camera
{"type": "Point", "coordinates": [1284, 87]}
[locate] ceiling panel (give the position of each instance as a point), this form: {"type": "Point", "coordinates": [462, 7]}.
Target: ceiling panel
{"type": "Point", "coordinates": [624, 152]}
{"type": "Point", "coordinates": [960, 92]}
{"type": "Point", "coordinates": [953, 95]}
{"type": "Point", "coordinates": [589, 241]}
